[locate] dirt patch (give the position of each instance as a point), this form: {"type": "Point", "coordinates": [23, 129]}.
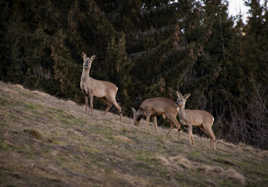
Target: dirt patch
{"type": "Point", "coordinates": [33, 133]}
{"type": "Point", "coordinates": [123, 139]}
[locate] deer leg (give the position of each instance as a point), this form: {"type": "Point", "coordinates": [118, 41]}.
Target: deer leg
{"type": "Point", "coordinates": [213, 139]}
{"type": "Point", "coordinates": [91, 102]}
{"type": "Point", "coordinates": [170, 128]}
{"type": "Point", "coordinates": [190, 132]}
{"type": "Point", "coordinates": [177, 124]}
{"type": "Point", "coordinates": [171, 122]}
{"type": "Point", "coordinates": [109, 106]}
{"type": "Point", "coordinates": [211, 134]}
{"type": "Point", "coordinates": [148, 117]}
{"type": "Point", "coordinates": [155, 122]}
{"type": "Point", "coordinates": [204, 131]}
{"type": "Point", "coordinates": [86, 103]}
{"type": "Point", "coordinates": [113, 101]}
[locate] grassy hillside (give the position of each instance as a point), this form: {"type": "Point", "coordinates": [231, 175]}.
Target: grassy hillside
{"type": "Point", "coordinates": [45, 141]}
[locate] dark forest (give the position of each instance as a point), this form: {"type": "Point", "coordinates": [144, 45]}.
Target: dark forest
{"type": "Point", "coordinates": [148, 49]}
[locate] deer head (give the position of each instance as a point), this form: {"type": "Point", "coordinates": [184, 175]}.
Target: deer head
{"type": "Point", "coordinates": [86, 60]}
{"type": "Point", "coordinates": [84, 55]}
{"type": "Point", "coordinates": [181, 100]}
{"type": "Point", "coordinates": [92, 58]}
{"type": "Point", "coordinates": [137, 115]}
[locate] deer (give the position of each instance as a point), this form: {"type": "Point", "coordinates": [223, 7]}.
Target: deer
{"type": "Point", "coordinates": [200, 118]}
{"type": "Point", "coordinates": [91, 87]}
{"type": "Point", "coordinates": [154, 107]}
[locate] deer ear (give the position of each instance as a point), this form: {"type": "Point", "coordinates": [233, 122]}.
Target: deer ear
{"type": "Point", "coordinates": [178, 94]}
{"type": "Point", "coordinates": [186, 96]}
{"type": "Point", "coordinates": [133, 110]}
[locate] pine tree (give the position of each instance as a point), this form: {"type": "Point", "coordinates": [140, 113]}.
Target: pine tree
{"type": "Point", "coordinates": [147, 48]}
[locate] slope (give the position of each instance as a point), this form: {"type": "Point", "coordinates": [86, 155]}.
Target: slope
{"type": "Point", "coordinates": [45, 141]}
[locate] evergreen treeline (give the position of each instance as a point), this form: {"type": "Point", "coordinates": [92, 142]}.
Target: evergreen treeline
{"type": "Point", "coordinates": [147, 48]}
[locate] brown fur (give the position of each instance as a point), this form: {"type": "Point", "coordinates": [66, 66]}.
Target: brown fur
{"type": "Point", "coordinates": [99, 88]}
{"type": "Point", "coordinates": [157, 106]}
{"type": "Point", "coordinates": [200, 118]}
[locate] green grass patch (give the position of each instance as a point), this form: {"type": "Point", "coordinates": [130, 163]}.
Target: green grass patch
{"type": "Point", "coordinates": [107, 132]}
{"type": "Point", "coordinates": [4, 102]}
{"type": "Point", "coordinates": [190, 179]}
{"type": "Point", "coordinates": [4, 146]}
{"type": "Point", "coordinates": [3, 120]}
{"type": "Point", "coordinates": [65, 118]}
{"type": "Point", "coordinates": [228, 182]}
{"type": "Point", "coordinates": [146, 157]}
{"type": "Point", "coordinates": [30, 106]}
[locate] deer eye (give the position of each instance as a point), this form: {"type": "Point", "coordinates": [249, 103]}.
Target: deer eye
{"type": "Point", "coordinates": [179, 101]}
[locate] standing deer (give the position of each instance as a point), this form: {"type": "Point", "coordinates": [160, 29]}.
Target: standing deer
{"type": "Point", "coordinates": [92, 87]}
{"type": "Point", "coordinates": [199, 118]}
{"type": "Point", "coordinates": [157, 106]}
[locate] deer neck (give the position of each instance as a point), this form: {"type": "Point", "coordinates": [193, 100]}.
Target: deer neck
{"type": "Point", "coordinates": [86, 67]}
{"type": "Point", "coordinates": [182, 114]}
{"type": "Point", "coordinates": [84, 74]}
{"type": "Point", "coordinates": [84, 58]}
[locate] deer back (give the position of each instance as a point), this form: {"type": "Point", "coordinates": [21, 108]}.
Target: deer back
{"type": "Point", "coordinates": [159, 105]}
{"type": "Point", "coordinates": [101, 88]}
{"type": "Point", "coordinates": [196, 117]}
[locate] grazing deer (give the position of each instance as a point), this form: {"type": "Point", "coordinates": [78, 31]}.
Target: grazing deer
{"type": "Point", "coordinates": [199, 118]}
{"type": "Point", "coordinates": [92, 87]}
{"type": "Point", "coordinates": [157, 106]}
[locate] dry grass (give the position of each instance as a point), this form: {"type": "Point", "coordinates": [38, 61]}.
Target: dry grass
{"type": "Point", "coordinates": [46, 141]}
